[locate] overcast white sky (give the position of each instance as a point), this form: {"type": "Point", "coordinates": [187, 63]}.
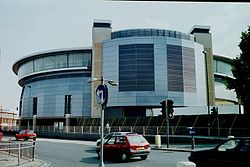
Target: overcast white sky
{"type": "Point", "coordinates": [28, 26]}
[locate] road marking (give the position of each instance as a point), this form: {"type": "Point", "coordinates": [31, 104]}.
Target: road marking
{"type": "Point", "coordinates": [89, 143]}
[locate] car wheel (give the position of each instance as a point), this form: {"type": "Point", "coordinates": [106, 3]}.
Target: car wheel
{"type": "Point", "coordinates": [26, 138]}
{"type": "Point", "coordinates": [124, 157]}
{"type": "Point", "coordinates": [143, 157]}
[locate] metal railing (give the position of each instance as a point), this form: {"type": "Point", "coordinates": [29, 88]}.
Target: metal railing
{"type": "Point", "coordinates": [145, 130]}
{"type": "Point", "coordinates": [16, 153]}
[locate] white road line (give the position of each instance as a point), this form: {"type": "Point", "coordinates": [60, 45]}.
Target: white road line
{"type": "Point", "coordinates": [89, 143]}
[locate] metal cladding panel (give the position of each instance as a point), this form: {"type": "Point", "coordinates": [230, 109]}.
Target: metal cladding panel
{"type": "Point", "coordinates": [51, 94]}
{"type": "Point", "coordinates": [174, 71]}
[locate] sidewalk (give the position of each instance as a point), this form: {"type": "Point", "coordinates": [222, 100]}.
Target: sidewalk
{"type": "Point", "coordinates": [9, 161]}
{"type": "Point", "coordinates": [184, 147]}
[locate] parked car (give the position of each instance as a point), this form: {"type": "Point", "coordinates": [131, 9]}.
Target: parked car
{"type": "Point", "coordinates": [26, 134]}
{"type": "Point", "coordinates": [124, 146]}
{"type": "Point", "coordinates": [233, 152]}
{"type": "Point", "coordinates": [112, 134]}
{"type": "Point", "coordinates": [1, 136]}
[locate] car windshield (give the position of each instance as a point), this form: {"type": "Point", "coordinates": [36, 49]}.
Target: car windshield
{"type": "Point", "coordinates": [108, 135]}
{"type": "Point", "coordinates": [136, 139]}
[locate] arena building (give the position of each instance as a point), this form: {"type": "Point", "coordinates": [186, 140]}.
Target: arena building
{"type": "Point", "coordinates": [149, 64]}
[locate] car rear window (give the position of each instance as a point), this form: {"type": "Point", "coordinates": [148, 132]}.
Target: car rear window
{"type": "Point", "coordinates": [136, 139]}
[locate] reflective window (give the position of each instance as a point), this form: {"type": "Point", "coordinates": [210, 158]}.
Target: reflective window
{"type": "Point", "coordinates": [136, 67]}
{"type": "Point", "coordinates": [26, 68]}
{"type": "Point", "coordinates": [76, 60]}
{"type": "Point", "coordinates": [222, 67]}
{"type": "Point", "coordinates": [56, 61]}
{"type": "Point", "coordinates": [149, 32]}
{"type": "Point", "coordinates": [49, 62]}
{"type": "Point", "coordinates": [61, 61]}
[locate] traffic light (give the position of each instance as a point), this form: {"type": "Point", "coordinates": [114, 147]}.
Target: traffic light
{"type": "Point", "coordinates": [163, 108]}
{"type": "Point", "coordinates": [170, 108]}
{"type": "Point", "coordinates": [214, 111]}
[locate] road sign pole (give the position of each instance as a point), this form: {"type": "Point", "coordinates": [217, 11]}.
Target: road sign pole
{"type": "Point", "coordinates": [102, 100]}
{"type": "Point", "coordinates": [101, 164]}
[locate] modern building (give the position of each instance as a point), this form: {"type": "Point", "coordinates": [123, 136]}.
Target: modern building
{"type": "Point", "coordinates": [149, 64]}
{"type": "Point", "coordinates": [222, 69]}
{"type": "Point", "coordinates": [54, 85]}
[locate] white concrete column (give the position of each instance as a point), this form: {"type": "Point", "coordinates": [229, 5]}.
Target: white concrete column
{"type": "Point", "coordinates": [67, 116]}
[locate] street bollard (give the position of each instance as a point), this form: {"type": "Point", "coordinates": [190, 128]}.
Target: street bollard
{"type": "Point", "coordinates": [193, 143]}
{"type": "Point", "coordinates": [191, 131]}
{"type": "Point", "coordinates": [158, 141]}
{"type": "Point", "coordinates": [185, 164]}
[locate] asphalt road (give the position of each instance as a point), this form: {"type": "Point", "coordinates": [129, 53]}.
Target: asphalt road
{"type": "Point", "coordinates": [65, 153]}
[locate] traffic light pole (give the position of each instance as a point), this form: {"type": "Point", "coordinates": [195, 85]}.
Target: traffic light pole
{"type": "Point", "coordinates": [167, 122]}
{"type": "Point", "coordinates": [218, 125]}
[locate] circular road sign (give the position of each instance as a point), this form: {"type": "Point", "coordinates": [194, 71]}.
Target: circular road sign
{"type": "Point", "coordinates": [102, 94]}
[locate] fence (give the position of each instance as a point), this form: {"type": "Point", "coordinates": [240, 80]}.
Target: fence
{"type": "Point", "coordinates": [147, 130]}
{"type": "Point", "coordinates": [16, 153]}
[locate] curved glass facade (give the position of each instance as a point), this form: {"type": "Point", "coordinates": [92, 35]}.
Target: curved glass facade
{"type": "Point", "coordinates": [222, 69]}
{"type": "Point", "coordinates": [149, 32]}
{"type": "Point", "coordinates": [51, 91]}
{"type": "Point", "coordinates": [57, 60]}
{"type": "Point", "coordinates": [55, 84]}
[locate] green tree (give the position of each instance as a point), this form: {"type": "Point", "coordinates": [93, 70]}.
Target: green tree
{"type": "Point", "coordinates": [241, 73]}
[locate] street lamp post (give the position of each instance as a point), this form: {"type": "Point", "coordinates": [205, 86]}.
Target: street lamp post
{"type": "Point", "coordinates": [207, 85]}
{"type": "Point", "coordinates": [102, 99]}
{"type": "Point", "coordinates": [28, 127]}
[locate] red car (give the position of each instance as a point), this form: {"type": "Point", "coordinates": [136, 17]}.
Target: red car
{"type": "Point", "coordinates": [125, 146]}
{"type": "Point", "coordinates": [26, 134]}
{"type": "Point", "coordinates": [1, 136]}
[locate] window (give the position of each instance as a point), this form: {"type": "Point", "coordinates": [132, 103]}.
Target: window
{"type": "Point", "coordinates": [136, 67]}
{"type": "Point", "coordinates": [67, 107]}
{"type": "Point", "coordinates": [245, 146]}
{"type": "Point", "coordinates": [60, 61]}
{"type": "Point", "coordinates": [49, 62]}
{"type": "Point", "coordinates": [111, 140]}
{"type": "Point", "coordinates": [26, 68]}
{"type": "Point", "coordinates": [121, 140]}
{"type": "Point", "coordinates": [75, 60]}
{"type": "Point", "coordinates": [38, 64]}
{"type": "Point", "coordinates": [34, 105]}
